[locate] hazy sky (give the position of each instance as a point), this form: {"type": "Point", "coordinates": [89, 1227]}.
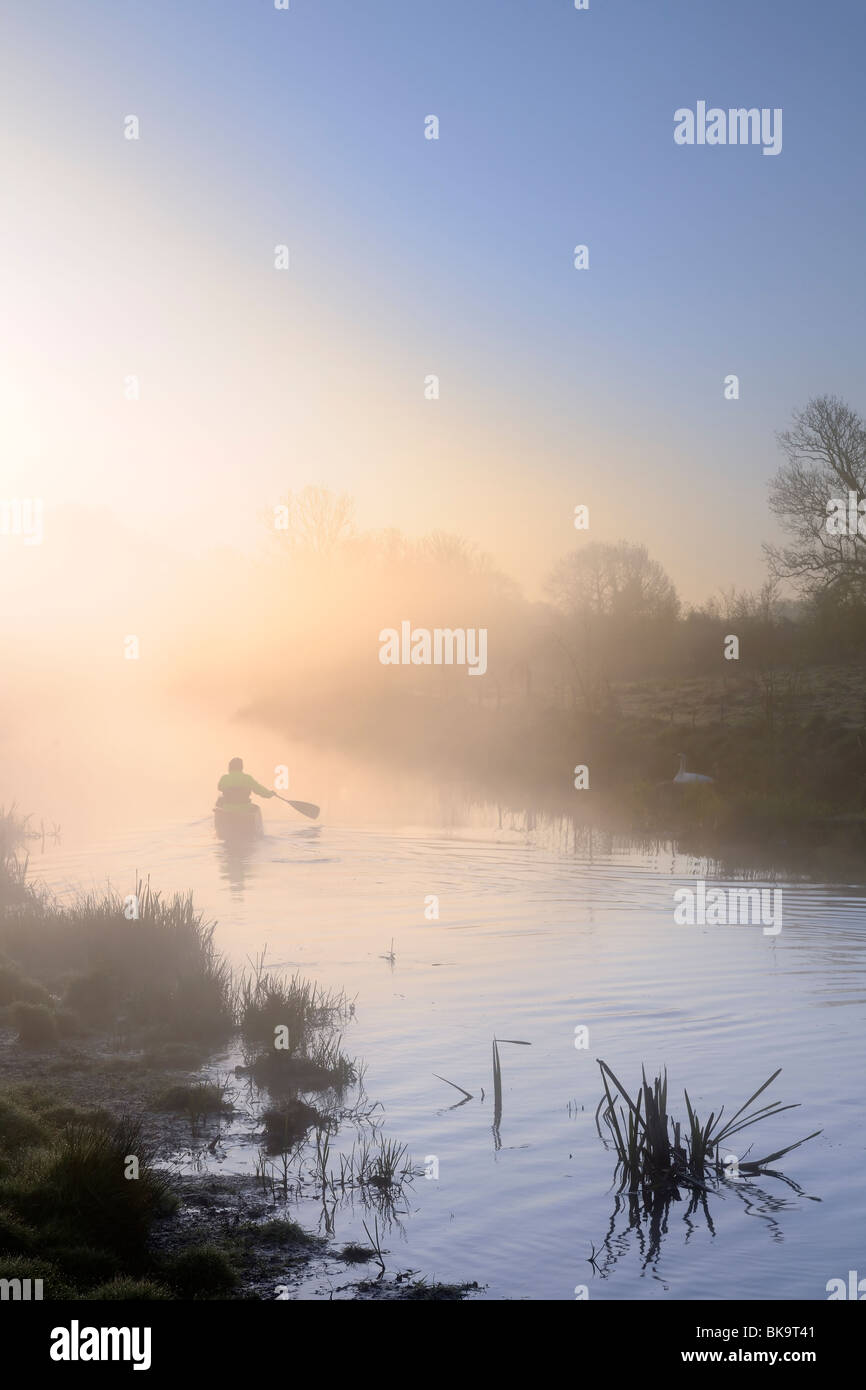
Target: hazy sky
{"type": "Point", "coordinates": [411, 256]}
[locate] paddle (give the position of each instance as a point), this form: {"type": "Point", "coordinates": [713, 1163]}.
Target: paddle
{"type": "Point", "coordinates": [306, 808]}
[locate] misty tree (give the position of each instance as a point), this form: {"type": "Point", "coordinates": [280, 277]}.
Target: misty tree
{"type": "Point", "coordinates": [609, 602]}
{"type": "Point", "coordinates": [735, 605]}
{"type": "Point", "coordinates": [613, 581]}
{"type": "Point", "coordinates": [317, 519]}
{"type": "Point", "coordinates": [825, 452]}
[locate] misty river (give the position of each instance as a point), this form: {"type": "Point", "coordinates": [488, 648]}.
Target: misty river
{"type": "Point", "coordinates": [565, 939]}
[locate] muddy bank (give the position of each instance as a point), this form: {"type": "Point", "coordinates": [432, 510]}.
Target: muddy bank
{"type": "Point", "coordinates": [162, 1119]}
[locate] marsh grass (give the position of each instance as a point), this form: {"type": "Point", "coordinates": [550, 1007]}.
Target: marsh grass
{"type": "Point", "coordinates": [198, 1100]}
{"type": "Point", "coordinates": [266, 1001]}
{"type": "Point", "coordinates": [354, 1254]}
{"type": "Point", "coordinates": [656, 1153]}
{"type": "Point", "coordinates": [201, 1271]}
{"type": "Point", "coordinates": [74, 1190]}
{"type": "Point", "coordinates": [287, 1124]}
{"type": "Point", "coordinates": [159, 970]}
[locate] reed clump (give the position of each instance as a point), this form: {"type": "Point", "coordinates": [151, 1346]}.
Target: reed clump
{"type": "Point", "coordinates": [143, 961]}
{"type": "Point", "coordinates": [656, 1153]}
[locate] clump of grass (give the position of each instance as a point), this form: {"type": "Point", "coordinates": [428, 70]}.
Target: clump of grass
{"type": "Point", "coordinates": [84, 1265]}
{"type": "Point", "coordinates": [201, 1271]}
{"type": "Point", "coordinates": [325, 1067]}
{"type": "Point", "coordinates": [15, 1237]}
{"type": "Point", "coordinates": [287, 1124]}
{"type": "Point", "coordinates": [419, 1291]}
{"type": "Point", "coordinates": [266, 1002]}
{"type": "Point", "coordinates": [384, 1166]}
{"type": "Point", "coordinates": [36, 1024]}
{"type": "Point", "coordinates": [158, 969]}
{"type": "Point", "coordinates": [655, 1153]}
{"type": "Point", "coordinates": [284, 1232]}
{"type": "Point", "coordinates": [353, 1254]}
{"type": "Point", "coordinates": [198, 1100]}
{"type": "Point", "coordinates": [389, 1165]}
{"type": "Point", "coordinates": [48, 1105]}
{"type": "Point", "coordinates": [19, 1128]}
{"type": "Point", "coordinates": [124, 1288]}
{"type": "Point", "coordinates": [27, 1267]}
{"type": "Point", "coordinates": [79, 1187]}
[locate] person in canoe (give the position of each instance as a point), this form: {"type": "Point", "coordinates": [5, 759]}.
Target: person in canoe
{"type": "Point", "coordinates": [234, 788]}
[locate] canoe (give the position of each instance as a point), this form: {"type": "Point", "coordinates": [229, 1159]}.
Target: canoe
{"type": "Point", "coordinates": [238, 823]}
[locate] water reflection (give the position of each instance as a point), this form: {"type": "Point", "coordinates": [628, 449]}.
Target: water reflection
{"type": "Point", "coordinates": [647, 1218]}
{"type": "Point", "coordinates": [236, 860]}
{"type": "Point", "coordinates": [547, 923]}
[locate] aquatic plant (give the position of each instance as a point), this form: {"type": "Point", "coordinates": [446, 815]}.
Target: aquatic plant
{"type": "Point", "coordinates": [656, 1153]}
{"type": "Point", "coordinates": [287, 1124]}
{"type": "Point", "coordinates": [265, 1001]}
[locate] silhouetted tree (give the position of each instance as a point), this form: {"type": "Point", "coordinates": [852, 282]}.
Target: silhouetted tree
{"type": "Point", "coordinates": [826, 459]}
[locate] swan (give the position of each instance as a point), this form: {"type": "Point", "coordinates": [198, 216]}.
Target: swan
{"type": "Point", "coordinates": [683, 776]}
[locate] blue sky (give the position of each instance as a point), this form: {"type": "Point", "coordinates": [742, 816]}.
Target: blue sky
{"type": "Point", "coordinates": [556, 127]}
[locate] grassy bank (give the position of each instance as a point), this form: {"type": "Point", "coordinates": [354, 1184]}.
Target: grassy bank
{"type": "Point", "coordinates": [110, 1011]}
{"type": "Point", "coordinates": [786, 750]}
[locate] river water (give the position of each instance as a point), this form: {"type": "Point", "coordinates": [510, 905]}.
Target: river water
{"type": "Point", "coordinates": [544, 929]}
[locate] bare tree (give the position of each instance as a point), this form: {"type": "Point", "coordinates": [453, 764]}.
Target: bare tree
{"type": "Point", "coordinates": [318, 519]}
{"type": "Point", "coordinates": [613, 581]}
{"type": "Point", "coordinates": [826, 460]}
{"type": "Point", "coordinates": [603, 595]}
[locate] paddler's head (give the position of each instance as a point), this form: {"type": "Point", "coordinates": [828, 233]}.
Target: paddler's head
{"type": "Point", "coordinates": [236, 765]}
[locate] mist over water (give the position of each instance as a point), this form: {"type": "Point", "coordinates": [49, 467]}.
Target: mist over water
{"type": "Point", "coordinates": [544, 927]}
{"type": "Point", "coordinates": [546, 922]}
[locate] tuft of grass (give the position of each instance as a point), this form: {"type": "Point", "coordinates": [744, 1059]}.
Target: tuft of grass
{"type": "Point", "coordinates": [266, 1002]}
{"type": "Point", "coordinates": [284, 1232]}
{"type": "Point", "coordinates": [198, 1100]}
{"type": "Point", "coordinates": [124, 1288]}
{"type": "Point", "coordinates": [353, 1254]}
{"type": "Point", "coordinates": [202, 1271]}
{"type": "Point", "coordinates": [288, 1123]}
{"type": "Point", "coordinates": [19, 1128]}
{"type": "Point", "coordinates": [84, 1265]}
{"type": "Point", "coordinates": [28, 1267]}
{"type": "Point", "coordinates": [15, 1237]}
{"type": "Point", "coordinates": [419, 1291]}
{"type": "Point", "coordinates": [158, 969]}
{"type": "Point", "coordinates": [325, 1067]}
{"type": "Point", "coordinates": [80, 1189]}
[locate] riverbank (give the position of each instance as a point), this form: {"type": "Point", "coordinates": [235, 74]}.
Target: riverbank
{"type": "Point", "coordinates": [787, 756]}
{"type": "Point", "coordinates": [135, 1069]}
